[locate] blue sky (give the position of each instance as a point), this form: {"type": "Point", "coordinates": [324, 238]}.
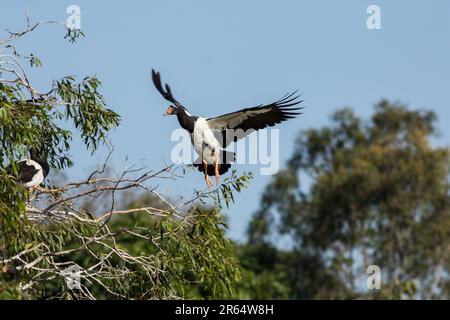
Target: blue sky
{"type": "Point", "coordinates": [222, 56]}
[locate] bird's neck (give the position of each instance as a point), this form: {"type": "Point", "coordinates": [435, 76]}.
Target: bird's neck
{"type": "Point", "coordinates": [186, 121]}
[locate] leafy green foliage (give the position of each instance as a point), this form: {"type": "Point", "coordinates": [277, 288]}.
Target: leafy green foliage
{"type": "Point", "coordinates": [148, 251]}
{"type": "Point", "coordinates": [85, 106]}
{"type": "Point", "coordinates": [264, 273]}
{"type": "Point", "coordinates": [35, 61]}
{"type": "Point", "coordinates": [234, 182]}
{"type": "Point", "coordinates": [30, 118]}
{"type": "Point", "coordinates": [73, 34]}
{"type": "Point", "coordinates": [189, 258]}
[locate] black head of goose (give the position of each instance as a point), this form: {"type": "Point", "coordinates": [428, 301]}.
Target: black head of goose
{"type": "Point", "coordinates": [210, 136]}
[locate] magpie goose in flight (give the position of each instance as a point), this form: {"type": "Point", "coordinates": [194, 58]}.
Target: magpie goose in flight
{"type": "Point", "coordinates": [31, 172]}
{"type": "Point", "coordinates": [210, 136]}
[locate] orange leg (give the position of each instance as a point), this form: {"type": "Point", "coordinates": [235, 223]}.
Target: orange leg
{"type": "Point", "coordinates": [216, 169]}
{"type": "Point", "coordinates": [208, 181]}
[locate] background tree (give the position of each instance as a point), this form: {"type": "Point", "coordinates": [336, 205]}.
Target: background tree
{"type": "Point", "coordinates": [357, 193]}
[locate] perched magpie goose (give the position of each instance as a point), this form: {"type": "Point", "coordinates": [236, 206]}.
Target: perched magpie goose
{"type": "Point", "coordinates": [31, 172]}
{"type": "Point", "coordinates": [210, 136]}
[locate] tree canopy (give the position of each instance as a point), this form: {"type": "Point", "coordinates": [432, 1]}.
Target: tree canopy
{"type": "Point", "coordinates": [358, 193]}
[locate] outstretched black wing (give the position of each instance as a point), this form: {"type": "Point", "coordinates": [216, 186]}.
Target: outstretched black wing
{"type": "Point", "coordinates": [237, 125]}
{"type": "Point", "coordinates": [167, 93]}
